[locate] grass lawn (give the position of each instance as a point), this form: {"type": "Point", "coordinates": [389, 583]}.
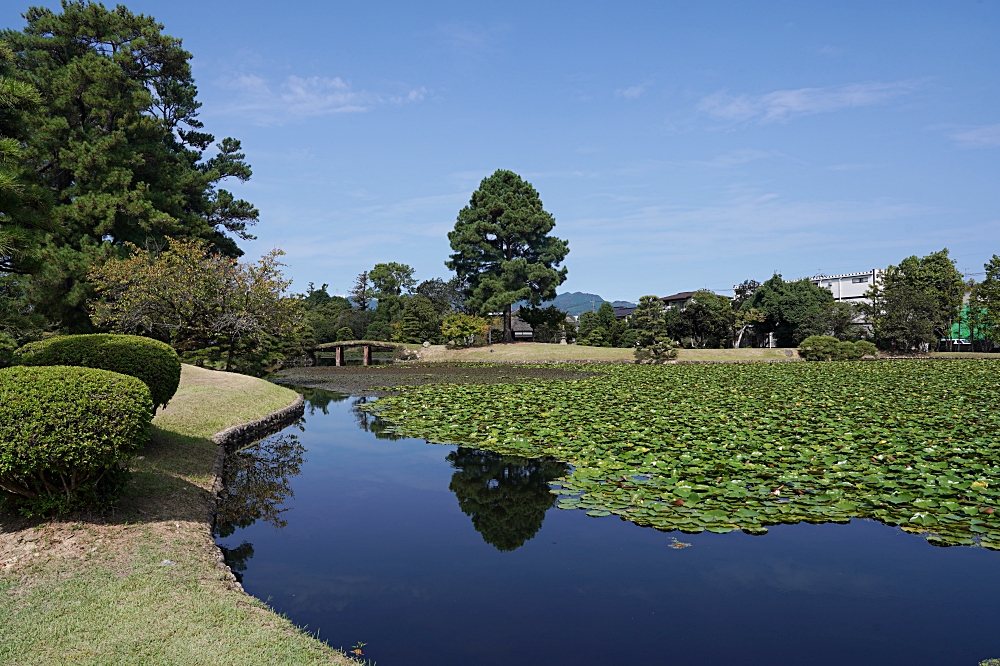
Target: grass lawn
{"type": "Point", "coordinates": [143, 584]}
{"type": "Point", "coordinates": [964, 355]}
{"type": "Point", "coordinates": [536, 352]}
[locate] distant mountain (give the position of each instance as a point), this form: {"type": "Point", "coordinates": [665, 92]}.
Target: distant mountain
{"type": "Point", "coordinates": [578, 302]}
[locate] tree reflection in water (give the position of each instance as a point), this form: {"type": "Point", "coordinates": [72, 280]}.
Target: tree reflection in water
{"type": "Point", "coordinates": [371, 423]}
{"type": "Point", "coordinates": [506, 496]}
{"type": "Point", "coordinates": [317, 398]}
{"type": "Point", "coordinates": [256, 481]}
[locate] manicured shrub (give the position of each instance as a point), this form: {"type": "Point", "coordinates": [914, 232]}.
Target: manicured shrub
{"type": "Point", "coordinates": [866, 349]}
{"type": "Point", "coordinates": [151, 361]}
{"type": "Point", "coordinates": [659, 349]}
{"type": "Point", "coordinates": [345, 333]}
{"type": "Point", "coordinates": [847, 351]}
{"type": "Point", "coordinates": [828, 348]}
{"type": "Point", "coordinates": [819, 348]}
{"type": "Point", "coordinates": [64, 431]}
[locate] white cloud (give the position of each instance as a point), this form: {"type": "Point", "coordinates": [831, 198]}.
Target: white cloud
{"type": "Point", "coordinates": [987, 136]}
{"type": "Point", "coordinates": [831, 50]}
{"type": "Point", "coordinates": [303, 97]}
{"type": "Point", "coordinates": [318, 96]}
{"type": "Point", "coordinates": [781, 105]}
{"type": "Point", "coordinates": [631, 92]}
{"type": "Point", "coordinates": [737, 158]}
{"type": "Point", "coordinates": [746, 222]}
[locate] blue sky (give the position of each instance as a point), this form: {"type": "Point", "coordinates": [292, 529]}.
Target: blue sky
{"type": "Point", "coordinates": [678, 145]}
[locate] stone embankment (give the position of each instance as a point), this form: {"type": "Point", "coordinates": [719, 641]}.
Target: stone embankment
{"type": "Point", "coordinates": [233, 439]}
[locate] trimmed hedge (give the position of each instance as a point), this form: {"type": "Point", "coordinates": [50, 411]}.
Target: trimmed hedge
{"type": "Point", "coordinates": [829, 348]}
{"type": "Point", "coordinates": [151, 361]}
{"type": "Point", "coordinates": [866, 348]}
{"type": "Point", "coordinates": [63, 431]}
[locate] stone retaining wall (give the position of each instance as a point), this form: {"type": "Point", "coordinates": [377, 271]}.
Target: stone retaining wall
{"type": "Point", "coordinates": [233, 439]}
{"type": "Point", "coordinates": [238, 436]}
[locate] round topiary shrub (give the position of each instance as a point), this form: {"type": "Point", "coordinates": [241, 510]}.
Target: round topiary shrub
{"type": "Point", "coordinates": [847, 351]}
{"type": "Point", "coordinates": [151, 361]}
{"type": "Point", "coordinates": [819, 348]}
{"type": "Point", "coordinates": [63, 432]}
{"type": "Point", "coordinates": [866, 349]}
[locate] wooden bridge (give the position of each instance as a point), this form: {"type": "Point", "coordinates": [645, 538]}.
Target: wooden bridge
{"type": "Point", "coordinates": [367, 346]}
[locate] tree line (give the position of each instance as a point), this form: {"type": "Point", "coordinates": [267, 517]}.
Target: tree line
{"type": "Point", "coordinates": [909, 307]}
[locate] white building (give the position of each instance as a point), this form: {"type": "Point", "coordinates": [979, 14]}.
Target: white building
{"type": "Point", "coordinates": [848, 287]}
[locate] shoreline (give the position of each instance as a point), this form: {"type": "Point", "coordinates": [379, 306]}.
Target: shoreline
{"type": "Point", "coordinates": [232, 439]}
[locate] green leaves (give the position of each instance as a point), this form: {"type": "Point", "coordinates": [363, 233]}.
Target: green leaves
{"type": "Point", "coordinates": [719, 447]}
{"type": "Point", "coordinates": [502, 246]}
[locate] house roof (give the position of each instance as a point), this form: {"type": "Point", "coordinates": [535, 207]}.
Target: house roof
{"type": "Point", "coordinates": [679, 296]}
{"type": "Point", "coordinates": [684, 295]}
{"type": "Point", "coordinates": [518, 325]}
{"type": "Point", "coordinates": [621, 313]}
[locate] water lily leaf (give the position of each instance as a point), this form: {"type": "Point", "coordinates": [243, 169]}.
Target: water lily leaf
{"type": "Point", "coordinates": [723, 444]}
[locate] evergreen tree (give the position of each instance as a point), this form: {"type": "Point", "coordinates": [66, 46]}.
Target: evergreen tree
{"type": "Point", "coordinates": [503, 249]}
{"type": "Point", "coordinates": [648, 322]}
{"type": "Point", "coordinates": [588, 322]}
{"type": "Point", "coordinates": [788, 308]}
{"type": "Point", "coordinates": [361, 293]}
{"type": "Point", "coordinates": [117, 144]}
{"type": "Point", "coordinates": [606, 316]}
{"type": "Point", "coordinates": [20, 202]}
{"type": "Point", "coordinates": [420, 322]}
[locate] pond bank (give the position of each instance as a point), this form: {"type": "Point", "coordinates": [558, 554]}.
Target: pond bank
{"type": "Point", "coordinates": [143, 583]}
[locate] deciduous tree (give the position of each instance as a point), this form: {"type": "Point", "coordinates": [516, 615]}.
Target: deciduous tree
{"type": "Point", "coordinates": [708, 319]}
{"type": "Point", "coordinates": [464, 328]}
{"type": "Point", "coordinates": [916, 302]}
{"type": "Point", "coordinates": [391, 279]}
{"type": "Point", "coordinates": [196, 300]}
{"type": "Point", "coordinates": [987, 297]}
{"type": "Point", "coordinates": [787, 306]}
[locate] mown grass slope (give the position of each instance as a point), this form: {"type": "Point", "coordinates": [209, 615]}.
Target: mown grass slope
{"type": "Point", "coordinates": [142, 585]}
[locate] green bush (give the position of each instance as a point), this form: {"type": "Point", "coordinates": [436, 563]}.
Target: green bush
{"type": "Point", "coordinates": [819, 348]}
{"type": "Point", "coordinates": [63, 432]}
{"type": "Point", "coordinates": [866, 348]}
{"type": "Point", "coordinates": [151, 361]}
{"type": "Point", "coordinates": [847, 351]}
{"type": "Point", "coordinates": [7, 347]}
{"type": "Point", "coordinates": [828, 348]}
{"type": "Point", "coordinates": [345, 333]}
{"type": "Point", "coordinates": [659, 349]}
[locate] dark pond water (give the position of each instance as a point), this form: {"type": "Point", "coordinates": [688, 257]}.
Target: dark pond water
{"type": "Point", "coordinates": [443, 555]}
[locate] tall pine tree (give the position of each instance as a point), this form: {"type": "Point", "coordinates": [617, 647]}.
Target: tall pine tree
{"type": "Point", "coordinates": [503, 249]}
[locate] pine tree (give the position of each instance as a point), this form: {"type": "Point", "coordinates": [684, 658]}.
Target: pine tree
{"type": "Point", "coordinates": [503, 249]}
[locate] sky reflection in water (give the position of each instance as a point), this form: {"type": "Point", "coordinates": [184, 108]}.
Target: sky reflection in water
{"type": "Point", "coordinates": [367, 537]}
